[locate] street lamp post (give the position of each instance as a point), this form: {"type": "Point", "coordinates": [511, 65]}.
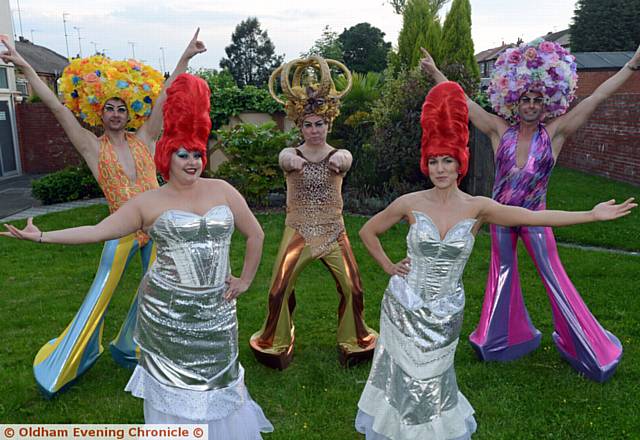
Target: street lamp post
{"type": "Point", "coordinates": [133, 48]}
{"type": "Point", "coordinates": [66, 39]}
{"type": "Point", "coordinates": [79, 43]}
{"type": "Point", "coordinates": [164, 65]}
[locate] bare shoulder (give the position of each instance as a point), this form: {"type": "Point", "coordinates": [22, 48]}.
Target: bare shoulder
{"type": "Point", "coordinates": [217, 184]}
{"type": "Point", "coordinates": [407, 202]}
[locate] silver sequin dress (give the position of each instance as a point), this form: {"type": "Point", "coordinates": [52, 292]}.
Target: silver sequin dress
{"type": "Point", "coordinates": [411, 392]}
{"type": "Point", "coordinates": [188, 333]}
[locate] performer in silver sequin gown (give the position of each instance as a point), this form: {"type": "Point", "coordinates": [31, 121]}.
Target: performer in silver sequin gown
{"type": "Point", "coordinates": [411, 392]}
{"type": "Point", "coordinates": [188, 332]}
{"type": "Point", "coordinates": [186, 328]}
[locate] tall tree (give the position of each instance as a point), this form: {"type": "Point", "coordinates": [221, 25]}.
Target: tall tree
{"type": "Point", "coordinates": [399, 5]}
{"type": "Point", "coordinates": [327, 46]}
{"type": "Point", "coordinates": [605, 25]}
{"type": "Point", "coordinates": [420, 27]}
{"type": "Point", "coordinates": [251, 54]}
{"type": "Point", "coordinates": [456, 48]}
{"type": "Point", "coordinates": [364, 48]}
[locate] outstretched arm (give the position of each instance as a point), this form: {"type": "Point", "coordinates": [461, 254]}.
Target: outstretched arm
{"type": "Point", "coordinates": [341, 161]}
{"type": "Point", "coordinates": [377, 225]}
{"type": "Point", "coordinates": [490, 124]}
{"type": "Point", "coordinates": [82, 139]}
{"type": "Point", "coordinates": [124, 221]}
{"type": "Point", "coordinates": [290, 161]}
{"type": "Point", "coordinates": [150, 130]}
{"type": "Point", "coordinates": [564, 126]}
{"type": "Point", "coordinates": [493, 212]}
{"type": "Point", "coordinates": [248, 226]}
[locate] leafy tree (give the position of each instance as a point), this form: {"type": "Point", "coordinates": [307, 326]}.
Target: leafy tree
{"type": "Point", "coordinates": [364, 48]}
{"type": "Point", "coordinates": [327, 46]}
{"type": "Point", "coordinates": [251, 54]}
{"type": "Point", "coordinates": [605, 25]}
{"type": "Point", "coordinates": [456, 48]}
{"type": "Point", "coordinates": [420, 27]}
{"type": "Point", "coordinates": [399, 5]}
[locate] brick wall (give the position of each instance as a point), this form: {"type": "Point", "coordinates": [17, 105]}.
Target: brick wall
{"type": "Point", "coordinates": [44, 147]}
{"type": "Point", "coordinates": [609, 143]}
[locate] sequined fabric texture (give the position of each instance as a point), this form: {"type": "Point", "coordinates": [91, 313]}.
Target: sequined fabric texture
{"type": "Point", "coordinates": [412, 390]}
{"type": "Point", "coordinates": [186, 330]}
{"type": "Point", "coordinates": [526, 186]}
{"type": "Point", "coordinates": [314, 205]}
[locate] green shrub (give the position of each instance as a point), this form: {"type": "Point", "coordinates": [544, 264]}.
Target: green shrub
{"type": "Point", "coordinates": [352, 129]}
{"type": "Point", "coordinates": [72, 183]}
{"type": "Point", "coordinates": [227, 99]}
{"type": "Point", "coordinates": [395, 143]}
{"type": "Point", "coordinates": [252, 153]}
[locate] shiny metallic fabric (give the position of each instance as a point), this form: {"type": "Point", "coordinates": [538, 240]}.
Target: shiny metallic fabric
{"type": "Point", "coordinates": [186, 330]}
{"type": "Point", "coordinates": [412, 390]}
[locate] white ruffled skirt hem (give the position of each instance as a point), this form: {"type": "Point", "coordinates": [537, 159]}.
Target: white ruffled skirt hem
{"type": "Point", "coordinates": [380, 421]}
{"type": "Point", "coordinates": [245, 422]}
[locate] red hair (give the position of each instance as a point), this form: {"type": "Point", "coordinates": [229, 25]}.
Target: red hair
{"type": "Point", "coordinates": [186, 121]}
{"type": "Point", "coordinates": [445, 126]}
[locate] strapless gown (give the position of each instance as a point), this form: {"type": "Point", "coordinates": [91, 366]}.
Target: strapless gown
{"type": "Point", "coordinates": [411, 392]}
{"type": "Point", "coordinates": [188, 333]}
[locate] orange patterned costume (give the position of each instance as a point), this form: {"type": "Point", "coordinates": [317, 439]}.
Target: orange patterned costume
{"type": "Point", "coordinates": [65, 358]}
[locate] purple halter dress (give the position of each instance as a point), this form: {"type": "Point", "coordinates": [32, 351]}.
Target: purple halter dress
{"type": "Point", "coordinates": [505, 331]}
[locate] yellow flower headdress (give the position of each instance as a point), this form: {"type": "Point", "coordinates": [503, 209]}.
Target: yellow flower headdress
{"type": "Point", "coordinates": [304, 93]}
{"type": "Point", "coordinates": [87, 83]}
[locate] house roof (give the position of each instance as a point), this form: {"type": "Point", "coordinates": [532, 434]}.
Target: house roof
{"type": "Point", "coordinates": [492, 54]}
{"type": "Point", "coordinates": [602, 60]}
{"type": "Point", "coordinates": [42, 59]}
{"type": "Point", "coordinates": [561, 37]}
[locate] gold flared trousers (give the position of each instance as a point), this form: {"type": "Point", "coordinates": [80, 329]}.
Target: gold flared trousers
{"type": "Point", "coordinates": [277, 333]}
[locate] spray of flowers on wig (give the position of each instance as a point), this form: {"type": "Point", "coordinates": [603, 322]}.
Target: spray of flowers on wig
{"type": "Point", "coordinates": [186, 121]}
{"type": "Point", "coordinates": [445, 126]}
{"type": "Point", "coordinates": [541, 66]}
{"type": "Point", "coordinates": [87, 83]}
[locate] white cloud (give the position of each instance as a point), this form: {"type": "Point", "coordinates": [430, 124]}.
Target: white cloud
{"type": "Point", "coordinates": [293, 26]}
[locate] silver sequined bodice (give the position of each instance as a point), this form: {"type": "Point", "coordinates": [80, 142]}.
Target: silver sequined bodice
{"type": "Point", "coordinates": [186, 330]}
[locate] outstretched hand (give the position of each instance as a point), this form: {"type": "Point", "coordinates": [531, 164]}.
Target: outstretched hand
{"type": "Point", "coordinates": [610, 211]}
{"type": "Point", "coordinates": [11, 55]}
{"type": "Point", "coordinates": [235, 287]}
{"type": "Point", "coordinates": [339, 163]}
{"type": "Point", "coordinates": [195, 47]}
{"type": "Point", "coordinates": [294, 163]}
{"type": "Point", "coordinates": [427, 65]}
{"type": "Point", "coordinates": [30, 232]}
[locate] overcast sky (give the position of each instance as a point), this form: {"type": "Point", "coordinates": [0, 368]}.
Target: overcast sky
{"type": "Point", "coordinates": [292, 25]}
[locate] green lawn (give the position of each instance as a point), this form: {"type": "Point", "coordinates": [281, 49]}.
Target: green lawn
{"type": "Point", "coordinates": [539, 396]}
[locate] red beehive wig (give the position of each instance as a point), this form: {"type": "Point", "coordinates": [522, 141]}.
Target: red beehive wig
{"type": "Point", "coordinates": [186, 121]}
{"type": "Point", "coordinates": [445, 126]}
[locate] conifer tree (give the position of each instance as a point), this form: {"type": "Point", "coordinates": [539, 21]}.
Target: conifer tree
{"type": "Point", "coordinates": [605, 26]}
{"type": "Point", "coordinates": [456, 48]}
{"type": "Point", "coordinates": [251, 54]}
{"type": "Point", "coordinates": [418, 20]}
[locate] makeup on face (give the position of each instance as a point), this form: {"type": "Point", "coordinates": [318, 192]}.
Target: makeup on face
{"type": "Point", "coordinates": [185, 154]}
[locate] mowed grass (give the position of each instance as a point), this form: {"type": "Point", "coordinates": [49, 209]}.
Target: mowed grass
{"type": "Point", "coordinates": [536, 397]}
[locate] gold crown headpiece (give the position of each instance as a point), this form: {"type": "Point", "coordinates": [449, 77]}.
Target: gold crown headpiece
{"type": "Point", "coordinates": [304, 93]}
